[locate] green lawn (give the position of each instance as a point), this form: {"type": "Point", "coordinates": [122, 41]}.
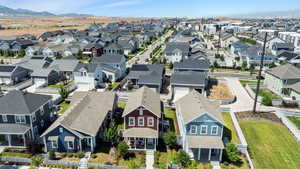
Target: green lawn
{"type": "Point", "coordinates": [229, 125]}
{"type": "Point", "coordinates": [171, 116]}
{"type": "Point", "coordinates": [64, 106]}
{"type": "Point", "coordinates": [271, 145]}
{"type": "Point", "coordinates": [55, 86]}
{"type": "Point", "coordinates": [295, 120]}
{"type": "Point", "coordinates": [266, 92]}
{"type": "Point", "coordinates": [12, 154]}
{"type": "Point", "coordinates": [245, 82]}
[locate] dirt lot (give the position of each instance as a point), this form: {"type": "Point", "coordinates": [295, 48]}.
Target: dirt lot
{"type": "Point", "coordinates": [37, 26]}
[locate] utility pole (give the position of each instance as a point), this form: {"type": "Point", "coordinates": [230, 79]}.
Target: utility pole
{"type": "Point", "coordinates": [219, 46]}
{"type": "Point", "coordinates": [259, 73]}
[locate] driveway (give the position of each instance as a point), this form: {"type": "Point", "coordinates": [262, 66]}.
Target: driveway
{"type": "Point", "coordinates": [243, 101]}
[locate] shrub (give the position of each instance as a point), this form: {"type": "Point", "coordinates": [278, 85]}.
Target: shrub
{"type": "Point", "coordinates": [94, 156]}
{"type": "Point", "coordinates": [70, 155]}
{"type": "Point", "coordinates": [170, 139]}
{"type": "Point", "coordinates": [182, 158]}
{"type": "Point", "coordinates": [33, 147]}
{"type": "Point", "coordinates": [122, 149]}
{"type": "Point", "coordinates": [232, 153]}
{"type": "Point", "coordinates": [80, 154]}
{"type": "Point", "coordinates": [267, 100]}
{"type": "Point", "coordinates": [52, 154]}
{"type": "Point", "coordinates": [36, 161]}
{"type": "Point", "coordinates": [63, 155]}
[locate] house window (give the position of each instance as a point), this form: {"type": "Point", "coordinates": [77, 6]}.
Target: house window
{"type": "Point", "coordinates": [131, 121]}
{"type": "Point", "coordinates": [42, 123]}
{"type": "Point", "coordinates": [214, 130]}
{"type": "Point", "coordinates": [61, 130]}
{"type": "Point", "coordinates": [54, 144]}
{"type": "Point", "coordinates": [4, 118]}
{"type": "Point", "coordinates": [20, 119]}
{"type": "Point", "coordinates": [204, 129]}
{"type": "Point", "coordinates": [193, 129]}
{"type": "Point", "coordinates": [141, 111]}
{"type": "Point", "coordinates": [150, 121]}
{"type": "Point", "coordinates": [70, 145]}
{"type": "Point", "coordinates": [141, 121]}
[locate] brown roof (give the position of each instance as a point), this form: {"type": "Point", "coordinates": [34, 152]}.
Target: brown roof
{"type": "Point", "coordinates": [146, 98]}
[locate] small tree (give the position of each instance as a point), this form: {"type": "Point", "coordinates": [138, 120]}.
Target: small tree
{"type": "Point", "coordinates": [111, 133]}
{"type": "Point", "coordinates": [122, 149]}
{"type": "Point", "coordinates": [216, 64]}
{"type": "Point", "coordinates": [232, 153]}
{"type": "Point", "coordinates": [36, 161]}
{"type": "Point", "coordinates": [244, 65]}
{"type": "Point", "coordinates": [272, 65]}
{"type": "Point", "coordinates": [267, 100]}
{"type": "Point", "coordinates": [64, 93]}
{"type": "Point", "coordinates": [33, 147]}
{"type": "Point", "coordinates": [21, 53]}
{"type": "Point", "coordinates": [170, 139]}
{"type": "Point", "coordinates": [52, 155]}
{"type": "Point", "coordinates": [252, 68]}
{"type": "Point", "coordinates": [182, 158]}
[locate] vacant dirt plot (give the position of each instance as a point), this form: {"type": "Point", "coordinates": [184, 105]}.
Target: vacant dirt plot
{"type": "Point", "coordinates": [220, 91]}
{"type": "Point", "coordinates": [38, 25]}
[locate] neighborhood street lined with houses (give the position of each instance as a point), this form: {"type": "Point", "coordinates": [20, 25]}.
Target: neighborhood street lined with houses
{"type": "Point", "coordinates": [163, 93]}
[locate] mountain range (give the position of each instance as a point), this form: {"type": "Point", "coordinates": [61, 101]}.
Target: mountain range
{"type": "Point", "coordinates": [274, 14]}
{"type": "Point", "coordinates": [10, 12]}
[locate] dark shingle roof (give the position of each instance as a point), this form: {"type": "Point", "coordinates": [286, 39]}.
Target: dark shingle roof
{"type": "Point", "coordinates": [18, 102]}
{"type": "Point", "coordinates": [183, 46]}
{"type": "Point", "coordinates": [189, 78]}
{"type": "Point", "coordinates": [12, 128]}
{"type": "Point", "coordinates": [90, 67]}
{"type": "Point", "coordinates": [108, 58]}
{"type": "Point", "coordinates": [287, 71]}
{"type": "Point", "coordinates": [198, 64]}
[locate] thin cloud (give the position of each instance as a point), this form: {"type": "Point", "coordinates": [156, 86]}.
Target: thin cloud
{"type": "Point", "coordinates": [122, 3]}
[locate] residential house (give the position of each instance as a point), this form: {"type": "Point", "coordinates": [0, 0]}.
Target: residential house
{"type": "Point", "coordinates": [294, 92]}
{"type": "Point", "coordinates": [23, 117]}
{"type": "Point", "coordinates": [128, 45]}
{"type": "Point", "coordinates": [227, 39]}
{"type": "Point", "coordinates": [113, 48]}
{"type": "Point", "coordinates": [253, 54]}
{"type": "Point", "coordinates": [45, 77]}
{"type": "Point", "coordinates": [238, 46]}
{"type": "Point", "coordinates": [280, 78]}
{"type": "Point", "coordinates": [13, 74]}
{"type": "Point", "coordinates": [148, 75]}
{"type": "Point", "coordinates": [142, 119]}
{"type": "Point", "coordinates": [87, 76]}
{"type": "Point", "coordinates": [65, 67]}
{"type": "Point", "coordinates": [278, 47]}
{"type": "Point", "coordinates": [201, 127]}
{"type": "Point", "coordinates": [113, 66]}
{"type": "Point", "coordinates": [176, 51]}
{"type": "Point", "coordinates": [93, 50]}
{"type": "Point", "coordinates": [82, 124]}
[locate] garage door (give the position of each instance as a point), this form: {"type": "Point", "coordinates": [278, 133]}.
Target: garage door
{"type": "Point", "coordinates": [39, 81]}
{"type": "Point", "coordinates": [179, 92]}
{"type": "Point", "coordinates": [84, 87]}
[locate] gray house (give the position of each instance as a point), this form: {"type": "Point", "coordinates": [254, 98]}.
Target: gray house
{"type": "Point", "coordinates": [177, 51]}
{"type": "Point", "coordinates": [65, 67]}
{"type": "Point", "coordinates": [82, 124]}
{"type": "Point", "coordinates": [45, 77]}
{"type": "Point", "coordinates": [151, 76]}
{"type": "Point", "coordinates": [24, 116]}
{"type": "Point", "coordinates": [12, 74]}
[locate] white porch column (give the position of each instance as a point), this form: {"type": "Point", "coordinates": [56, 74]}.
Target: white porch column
{"type": "Point", "coordinates": [9, 140]}
{"type": "Point", "coordinates": [145, 143]}
{"type": "Point", "coordinates": [209, 154]}
{"type": "Point", "coordinates": [45, 143]}
{"type": "Point", "coordinates": [199, 153]}
{"type": "Point", "coordinates": [92, 146]}
{"type": "Point", "coordinates": [80, 144]}
{"type": "Point", "coordinates": [24, 140]}
{"type": "Point", "coordinates": [221, 151]}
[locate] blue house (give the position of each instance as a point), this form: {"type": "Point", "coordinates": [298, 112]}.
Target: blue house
{"type": "Point", "coordinates": [201, 127]}
{"type": "Point", "coordinates": [82, 124]}
{"type": "Point", "coordinates": [238, 46]}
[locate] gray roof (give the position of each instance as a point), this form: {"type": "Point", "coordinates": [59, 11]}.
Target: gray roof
{"type": "Point", "coordinates": [287, 71]}
{"type": "Point", "coordinates": [89, 67]}
{"type": "Point", "coordinates": [284, 45]}
{"type": "Point", "coordinates": [8, 70]}
{"type": "Point", "coordinates": [146, 98]}
{"type": "Point", "coordinates": [18, 102]}
{"type": "Point", "coordinates": [86, 113]}
{"type": "Point", "coordinates": [151, 78]}
{"type": "Point", "coordinates": [65, 65]}
{"type": "Point", "coordinates": [12, 128]}
{"type": "Point", "coordinates": [108, 58]}
{"type": "Point", "coordinates": [141, 133]}
{"type": "Point", "coordinates": [138, 70]}
{"type": "Point", "coordinates": [42, 73]}
{"type": "Point", "coordinates": [193, 64]}
{"type": "Point", "coordinates": [295, 87]}
{"type": "Point", "coordinates": [188, 78]}
{"type": "Point", "coordinates": [183, 46]}
{"type": "Point", "coordinates": [194, 105]}
{"type": "Point", "coordinates": [205, 142]}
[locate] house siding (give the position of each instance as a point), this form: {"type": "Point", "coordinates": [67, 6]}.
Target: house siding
{"type": "Point", "coordinates": [146, 114]}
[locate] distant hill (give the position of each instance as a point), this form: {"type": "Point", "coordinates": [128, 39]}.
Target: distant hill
{"type": "Point", "coordinates": [9, 12]}
{"type": "Point", "coordinates": [274, 14]}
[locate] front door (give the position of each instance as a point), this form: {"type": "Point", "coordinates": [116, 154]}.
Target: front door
{"type": "Point", "coordinates": [86, 144]}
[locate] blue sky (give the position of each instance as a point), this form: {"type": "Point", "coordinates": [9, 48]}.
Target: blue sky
{"type": "Point", "coordinates": [154, 8]}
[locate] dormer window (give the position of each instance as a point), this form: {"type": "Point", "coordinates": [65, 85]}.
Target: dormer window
{"type": "Point", "coordinates": [141, 111]}
{"type": "Point", "coordinates": [20, 119]}
{"type": "Point", "coordinates": [4, 118]}
{"type": "Point", "coordinates": [193, 129]}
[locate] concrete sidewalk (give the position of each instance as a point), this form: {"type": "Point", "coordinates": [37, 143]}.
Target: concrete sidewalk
{"type": "Point", "coordinates": [149, 159]}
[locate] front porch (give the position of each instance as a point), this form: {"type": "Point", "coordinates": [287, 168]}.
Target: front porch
{"type": "Point", "coordinates": [14, 140]}
{"type": "Point", "coordinates": [207, 154]}
{"type": "Point", "coordinates": [136, 143]}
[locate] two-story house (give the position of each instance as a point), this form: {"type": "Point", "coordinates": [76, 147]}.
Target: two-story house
{"type": "Point", "coordinates": [177, 51]}
{"type": "Point", "coordinates": [82, 124]}
{"type": "Point", "coordinates": [113, 48]}
{"type": "Point", "coordinates": [23, 117]}
{"type": "Point", "coordinates": [113, 66]}
{"type": "Point", "coordinates": [87, 76]}
{"type": "Point", "coordinates": [201, 127]}
{"type": "Point", "coordinates": [142, 116]}
{"type": "Point", "coordinates": [11, 74]}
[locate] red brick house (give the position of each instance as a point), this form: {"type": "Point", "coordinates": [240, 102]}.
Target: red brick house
{"type": "Point", "coordinates": [142, 116]}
